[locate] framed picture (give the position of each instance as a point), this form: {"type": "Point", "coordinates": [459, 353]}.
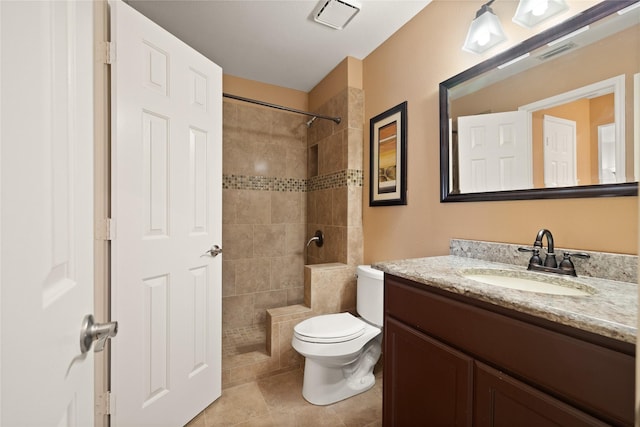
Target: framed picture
{"type": "Point", "coordinates": [388, 179]}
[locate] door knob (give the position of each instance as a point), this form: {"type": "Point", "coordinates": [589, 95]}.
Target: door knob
{"type": "Point", "coordinates": [213, 252]}
{"type": "Point", "coordinates": [99, 332]}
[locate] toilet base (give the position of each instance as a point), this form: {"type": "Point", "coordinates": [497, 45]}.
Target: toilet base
{"type": "Point", "coordinates": [323, 385]}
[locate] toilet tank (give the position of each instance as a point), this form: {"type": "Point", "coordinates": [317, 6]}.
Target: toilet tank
{"type": "Point", "coordinates": [370, 294]}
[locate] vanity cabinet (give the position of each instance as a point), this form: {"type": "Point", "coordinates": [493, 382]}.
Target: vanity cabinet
{"type": "Point", "coordinates": [452, 360]}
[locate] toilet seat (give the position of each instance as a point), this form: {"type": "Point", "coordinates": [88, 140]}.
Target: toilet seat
{"type": "Point", "coordinates": [330, 328]}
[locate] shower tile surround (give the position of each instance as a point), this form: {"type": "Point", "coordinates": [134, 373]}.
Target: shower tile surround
{"type": "Point", "coordinates": [334, 192]}
{"type": "Point", "coordinates": [270, 210]}
{"type": "Point", "coordinates": [263, 218]}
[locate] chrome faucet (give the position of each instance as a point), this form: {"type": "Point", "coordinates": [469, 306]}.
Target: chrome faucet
{"type": "Point", "coordinates": [318, 238]}
{"type": "Point", "coordinates": [550, 264]}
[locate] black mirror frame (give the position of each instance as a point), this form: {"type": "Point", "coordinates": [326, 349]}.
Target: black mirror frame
{"type": "Point", "coordinates": [589, 16]}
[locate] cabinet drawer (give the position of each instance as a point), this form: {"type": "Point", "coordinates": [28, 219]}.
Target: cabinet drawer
{"type": "Point", "coordinates": [598, 380]}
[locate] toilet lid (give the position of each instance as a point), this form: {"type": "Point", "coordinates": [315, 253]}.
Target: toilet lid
{"type": "Point", "coordinates": [330, 328]}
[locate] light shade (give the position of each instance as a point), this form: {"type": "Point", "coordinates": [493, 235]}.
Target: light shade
{"type": "Point", "coordinates": [485, 32]}
{"type": "Point", "coordinates": [532, 12]}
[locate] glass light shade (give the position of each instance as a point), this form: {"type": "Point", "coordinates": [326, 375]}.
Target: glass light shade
{"type": "Point", "coordinates": [484, 33]}
{"type": "Point", "coordinates": [532, 12]}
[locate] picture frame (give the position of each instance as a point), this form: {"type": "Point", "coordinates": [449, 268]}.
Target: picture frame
{"type": "Point", "coordinates": [388, 157]}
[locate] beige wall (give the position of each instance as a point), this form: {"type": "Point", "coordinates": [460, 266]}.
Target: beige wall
{"type": "Point", "coordinates": [265, 92]}
{"type": "Point", "coordinates": [409, 66]}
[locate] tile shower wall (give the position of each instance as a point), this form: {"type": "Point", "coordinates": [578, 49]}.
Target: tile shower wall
{"type": "Point", "coordinates": [264, 211]}
{"type": "Point", "coordinates": [334, 192]}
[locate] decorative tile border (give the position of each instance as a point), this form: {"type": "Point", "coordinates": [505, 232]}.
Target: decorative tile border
{"type": "Point", "coordinates": [263, 183]}
{"type": "Point", "coordinates": [344, 178]}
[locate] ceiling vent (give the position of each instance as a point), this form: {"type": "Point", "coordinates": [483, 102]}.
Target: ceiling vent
{"type": "Point", "coordinates": [556, 51]}
{"type": "Point", "coordinates": [335, 13]}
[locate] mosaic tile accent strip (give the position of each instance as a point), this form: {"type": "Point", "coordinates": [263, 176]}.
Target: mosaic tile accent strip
{"type": "Point", "coordinates": [263, 183]}
{"type": "Point", "coordinates": [344, 178]}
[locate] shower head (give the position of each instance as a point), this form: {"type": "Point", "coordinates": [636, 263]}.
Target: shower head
{"type": "Point", "coordinates": [310, 121]}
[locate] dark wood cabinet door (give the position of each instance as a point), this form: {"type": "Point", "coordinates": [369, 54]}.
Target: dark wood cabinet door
{"type": "Point", "coordinates": [502, 401]}
{"type": "Point", "coordinates": [426, 383]}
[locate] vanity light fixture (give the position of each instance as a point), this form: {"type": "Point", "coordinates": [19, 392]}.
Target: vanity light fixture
{"type": "Point", "coordinates": [485, 31]}
{"type": "Point", "coordinates": [532, 12]}
{"type": "Point", "coordinates": [335, 13]}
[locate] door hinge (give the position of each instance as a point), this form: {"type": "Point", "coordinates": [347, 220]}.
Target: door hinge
{"type": "Point", "coordinates": [109, 52]}
{"type": "Point", "coordinates": [106, 229]}
{"type": "Point", "coordinates": [104, 404]}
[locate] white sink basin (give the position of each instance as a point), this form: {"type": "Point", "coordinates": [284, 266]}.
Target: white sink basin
{"type": "Point", "coordinates": [530, 282]}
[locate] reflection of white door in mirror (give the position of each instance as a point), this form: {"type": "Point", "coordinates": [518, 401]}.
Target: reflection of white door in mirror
{"type": "Point", "coordinates": [607, 153]}
{"type": "Point", "coordinates": [636, 125]}
{"type": "Point", "coordinates": [572, 106]}
{"type": "Point", "coordinates": [495, 152]}
{"type": "Point", "coordinates": [592, 78]}
{"type": "Point", "coordinates": [559, 152]}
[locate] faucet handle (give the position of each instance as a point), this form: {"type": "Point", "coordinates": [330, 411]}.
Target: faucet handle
{"type": "Point", "coordinates": [535, 258]}
{"type": "Point", "coordinates": [576, 254]}
{"type": "Point", "coordinates": [566, 263]}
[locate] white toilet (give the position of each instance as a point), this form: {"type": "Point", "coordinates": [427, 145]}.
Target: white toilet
{"type": "Point", "coordinates": [341, 350]}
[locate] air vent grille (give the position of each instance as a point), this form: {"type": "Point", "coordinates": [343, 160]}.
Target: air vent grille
{"type": "Point", "coordinates": [335, 13]}
{"type": "Point", "coordinates": [556, 51]}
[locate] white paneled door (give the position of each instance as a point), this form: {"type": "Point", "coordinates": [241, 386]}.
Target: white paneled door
{"type": "Point", "coordinates": [559, 152]}
{"type": "Point", "coordinates": [495, 152]}
{"type": "Point", "coordinates": [166, 203]}
{"type": "Point", "coordinates": [46, 200]}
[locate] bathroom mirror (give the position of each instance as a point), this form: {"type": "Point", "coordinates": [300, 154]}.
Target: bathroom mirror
{"type": "Point", "coordinates": [575, 87]}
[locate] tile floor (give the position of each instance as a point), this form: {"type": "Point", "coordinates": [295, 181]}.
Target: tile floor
{"type": "Point", "coordinates": [277, 401]}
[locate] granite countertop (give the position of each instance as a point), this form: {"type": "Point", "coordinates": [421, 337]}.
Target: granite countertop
{"type": "Point", "coordinates": [611, 310]}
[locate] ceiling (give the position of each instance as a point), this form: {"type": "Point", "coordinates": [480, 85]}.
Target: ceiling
{"type": "Point", "coordinates": [277, 42]}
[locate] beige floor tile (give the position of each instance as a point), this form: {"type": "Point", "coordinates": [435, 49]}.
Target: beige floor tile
{"type": "Point", "coordinates": [277, 401]}
{"type": "Point", "coordinates": [283, 392]}
{"type": "Point", "coordinates": [307, 416]}
{"type": "Point", "coordinates": [236, 405]}
{"type": "Point", "coordinates": [360, 410]}
{"type": "Point", "coordinates": [263, 421]}
{"type": "Point", "coordinates": [198, 421]}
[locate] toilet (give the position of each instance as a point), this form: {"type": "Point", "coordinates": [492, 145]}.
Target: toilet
{"type": "Point", "coordinates": [340, 349]}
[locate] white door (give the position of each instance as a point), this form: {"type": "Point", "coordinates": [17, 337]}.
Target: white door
{"type": "Point", "coordinates": [607, 154]}
{"type": "Point", "coordinates": [559, 137]}
{"type": "Point", "coordinates": [166, 202]}
{"type": "Point", "coordinates": [494, 152]}
{"type": "Point", "coordinates": [47, 212]}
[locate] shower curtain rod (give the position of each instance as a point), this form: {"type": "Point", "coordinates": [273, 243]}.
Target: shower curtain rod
{"type": "Point", "coordinates": [280, 107]}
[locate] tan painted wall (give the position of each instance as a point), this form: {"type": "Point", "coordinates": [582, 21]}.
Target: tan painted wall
{"type": "Point", "coordinates": [265, 92]}
{"type": "Point", "coordinates": [409, 66]}
{"type": "Point", "coordinates": [347, 73]}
